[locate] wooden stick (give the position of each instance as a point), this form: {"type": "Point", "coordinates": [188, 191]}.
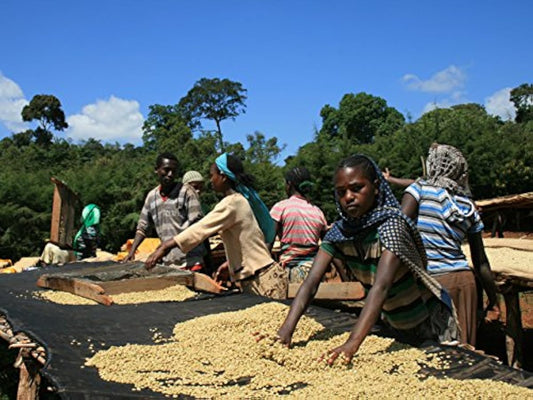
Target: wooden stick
{"type": "Point", "coordinates": [22, 345]}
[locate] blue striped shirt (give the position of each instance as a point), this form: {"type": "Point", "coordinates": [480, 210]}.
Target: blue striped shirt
{"type": "Point", "coordinates": [444, 220]}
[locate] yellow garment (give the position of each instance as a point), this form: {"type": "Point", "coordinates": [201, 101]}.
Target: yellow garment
{"type": "Point", "coordinates": [244, 242]}
{"type": "Point", "coordinates": [146, 248]}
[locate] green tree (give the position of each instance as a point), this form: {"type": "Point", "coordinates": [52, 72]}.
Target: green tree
{"type": "Point", "coordinates": [46, 109]}
{"type": "Point", "coordinates": [165, 129]}
{"type": "Point", "coordinates": [360, 119]}
{"type": "Point", "coordinates": [261, 157]}
{"type": "Point", "coordinates": [466, 126]}
{"type": "Point", "coordinates": [216, 100]}
{"type": "Point", "coordinates": [262, 150]}
{"type": "Point", "coordinates": [522, 98]}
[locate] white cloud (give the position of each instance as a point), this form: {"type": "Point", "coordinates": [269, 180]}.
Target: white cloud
{"type": "Point", "coordinates": [107, 120]}
{"type": "Point", "coordinates": [457, 97]}
{"type": "Point", "coordinates": [500, 104]}
{"type": "Point", "coordinates": [12, 101]}
{"type": "Point", "coordinates": [445, 81]}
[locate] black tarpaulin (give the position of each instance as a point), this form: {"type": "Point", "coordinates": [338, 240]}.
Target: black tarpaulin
{"type": "Point", "coordinates": [71, 334]}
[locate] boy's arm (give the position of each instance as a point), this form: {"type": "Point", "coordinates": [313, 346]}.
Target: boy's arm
{"type": "Point", "coordinates": [304, 296]}
{"type": "Point", "coordinates": [193, 206]}
{"type": "Point", "coordinates": [140, 232]}
{"type": "Point", "coordinates": [277, 228]}
{"type": "Point", "coordinates": [387, 267]}
{"type": "Point", "coordinates": [410, 206]}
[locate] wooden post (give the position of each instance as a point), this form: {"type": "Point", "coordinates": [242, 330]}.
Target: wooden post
{"type": "Point", "coordinates": [64, 206]}
{"type": "Point", "coordinates": [29, 381]}
{"type": "Point", "coordinates": [513, 328]}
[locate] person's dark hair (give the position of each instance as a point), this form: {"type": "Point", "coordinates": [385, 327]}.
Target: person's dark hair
{"type": "Point", "coordinates": [235, 165]}
{"type": "Point", "coordinates": [165, 156]}
{"type": "Point", "coordinates": [360, 162]}
{"type": "Point", "coordinates": [299, 179]}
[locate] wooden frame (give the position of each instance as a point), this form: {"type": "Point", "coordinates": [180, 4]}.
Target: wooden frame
{"type": "Point", "coordinates": [64, 206]}
{"type": "Point", "coordinates": [100, 283]}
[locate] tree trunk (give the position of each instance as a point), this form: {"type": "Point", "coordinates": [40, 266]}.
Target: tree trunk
{"type": "Point", "coordinates": [219, 136]}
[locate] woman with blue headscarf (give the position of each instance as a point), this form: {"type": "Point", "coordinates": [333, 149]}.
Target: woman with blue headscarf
{"type": "Point", "coordinates": [244, 223]}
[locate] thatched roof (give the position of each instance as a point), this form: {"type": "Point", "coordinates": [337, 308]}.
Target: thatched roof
{"type": "Point", "coordinates": [523, 200]}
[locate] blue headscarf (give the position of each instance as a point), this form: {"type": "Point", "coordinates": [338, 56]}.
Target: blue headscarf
{"type": "Point", "coordinates": [260, 210]}
{"type": "Point", "coordinates": [397, 233]}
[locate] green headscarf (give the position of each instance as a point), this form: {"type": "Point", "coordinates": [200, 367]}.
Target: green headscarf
{"type": "Point", "coordinates": [90, 216]}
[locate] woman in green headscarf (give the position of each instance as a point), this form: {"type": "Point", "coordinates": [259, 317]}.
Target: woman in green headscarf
{"type": "Point", "coordinates": [86, 239]}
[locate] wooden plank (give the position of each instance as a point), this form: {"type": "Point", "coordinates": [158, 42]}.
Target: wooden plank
{"type": "Point", "coordinates": [333, 291]}
{"type": "Point", "coordinates": [64, 205]}
{"type": "Point", "coordinates": [206, 284]}
{"type": "Point", "coordinates": [146, 283]}
{"type": "Point", "coordinates": [56, 216]}
{"type": "Point", "coordinates": [75, 286]}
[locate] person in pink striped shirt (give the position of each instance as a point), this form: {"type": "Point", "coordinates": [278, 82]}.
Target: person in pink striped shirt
{"type": "Point", "coordinates": [299, 225]}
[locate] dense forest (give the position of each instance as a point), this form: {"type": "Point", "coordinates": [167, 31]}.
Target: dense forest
{"type": "Point", "coordinates": [117, 177]}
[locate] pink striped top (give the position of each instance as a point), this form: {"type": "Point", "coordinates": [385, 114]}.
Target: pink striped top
{"type": "Point", "coordinates": [301, 222]}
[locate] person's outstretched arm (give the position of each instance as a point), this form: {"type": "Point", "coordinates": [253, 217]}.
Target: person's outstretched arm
{"type": "Point", "coordinates": [482, 268]}
{"type": "Point", "coordinates": [387, 267]}
{"type": "Point", "coordinates": [139, 238]}
{"type": "Point", "coordinates": [220, 218]}
{"type": "Point", "coordinates": [402, 182]}
{"type": "Point", "coordinates": [304, 296]}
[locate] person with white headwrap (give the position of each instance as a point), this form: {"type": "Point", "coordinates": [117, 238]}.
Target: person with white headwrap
{"type": "Point", "coordinates": [445, 214]}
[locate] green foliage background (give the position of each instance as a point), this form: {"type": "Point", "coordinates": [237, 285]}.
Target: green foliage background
{"type": "Point", "coordinates": [117, 177]}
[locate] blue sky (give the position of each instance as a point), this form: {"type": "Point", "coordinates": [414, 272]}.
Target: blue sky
{"type": "Point", "coordinates": [108, 61]}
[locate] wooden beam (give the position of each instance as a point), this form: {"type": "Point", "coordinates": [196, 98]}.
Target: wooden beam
{"type": "Point", "coordinates": [513, 329]}
{"type": "Point", "coordinates": [206, 284]}
{"type": "Point", "coordinates": [333, 291]}
{"type": "Point", "coordinates": [145, 283]}
{"type": "Point", "coordinates": [75, 286]}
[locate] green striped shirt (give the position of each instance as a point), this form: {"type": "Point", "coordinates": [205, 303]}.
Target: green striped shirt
{"type": "Point", "coordinates": [407, 302]}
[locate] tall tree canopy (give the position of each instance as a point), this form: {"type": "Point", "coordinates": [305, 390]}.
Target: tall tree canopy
{"type": "Point", "coordinates": [46, 109]}
{"type": "Point", "coordinates": [360, 119]}
{"type": "Point", "coordinates": [214, 99]}
{"type": "Point", "coordinates": [165, 129]}
{"type": "Point", "coordinates": [522, 97]}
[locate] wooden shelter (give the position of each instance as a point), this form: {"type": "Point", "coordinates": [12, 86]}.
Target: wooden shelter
{"type": "Point", "coordinates": [516, 209]}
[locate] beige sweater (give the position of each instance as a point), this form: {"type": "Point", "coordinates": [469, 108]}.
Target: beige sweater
{"type": "Point", "coordinates": [243, 240]}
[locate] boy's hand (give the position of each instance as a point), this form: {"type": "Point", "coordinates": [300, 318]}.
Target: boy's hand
{"type": "Point", "coordinates": [346, 352]}
{"type": "Point", "coordinates": [222, 274]}
{"type": "Point", "coordinates": [157, 255]}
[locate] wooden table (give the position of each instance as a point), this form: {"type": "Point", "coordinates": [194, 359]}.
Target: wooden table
{"type": "Point", "coordinates": [510, 288]}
